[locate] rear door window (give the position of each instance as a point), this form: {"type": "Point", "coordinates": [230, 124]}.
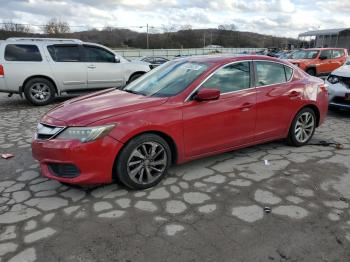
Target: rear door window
{"type": "Point", "coordinates": [24, 53]}
{"type": "Point", "coordinates": [270, 73]}
{"type": "Point", "coordinates": [326, 54]}
{"type": "Point", "coordinates": [65, 53]}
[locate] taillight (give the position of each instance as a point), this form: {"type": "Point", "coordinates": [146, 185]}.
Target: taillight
{"type": "Point", "coordinates": [1, 71]}
{"type": "Point", "coordinates": [323, 88]}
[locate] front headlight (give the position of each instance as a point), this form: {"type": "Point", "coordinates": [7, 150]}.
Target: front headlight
{"type": "Point", "coordinates": [333, 79]}
{"type": "Point", "coordinates": [85, 134]}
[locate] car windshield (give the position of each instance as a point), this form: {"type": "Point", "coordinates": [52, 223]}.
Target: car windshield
{"type": "Point", "coordinates": [168, 80]}
{"type": "Point", "coordinates": [305, 54]}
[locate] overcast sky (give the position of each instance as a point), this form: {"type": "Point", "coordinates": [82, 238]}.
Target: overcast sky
{"type": "Point", "coordinates": [276, 17]}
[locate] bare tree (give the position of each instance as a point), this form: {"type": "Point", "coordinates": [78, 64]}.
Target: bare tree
{"type": "Point", "coordinates": [154, 30]}
{"type": "Point", "coordinates": [186, 27]}
{"type": "Point", "coordinates": [228, 27]}
{"type": "Point", "coordinates": [55, 26]}
{"type": "Point", "coordinates": [14, 27]}
{"type": "Point", "coordinates": [108, 28]}
{"type": "Point", "coordinates": [169, 28]}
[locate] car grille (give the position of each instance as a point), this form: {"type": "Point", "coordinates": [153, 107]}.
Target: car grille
{"type": "Point", "coordinates": [64, 170]}
{"type": "Point", "coordinates": [46, 132]}
{"type": "Point", "coordinates": [346, 81]}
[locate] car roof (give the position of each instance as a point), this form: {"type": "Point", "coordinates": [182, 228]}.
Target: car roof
{"type": "Point", "coordinates": [323, 48]}
{"type": "Point", "coordinates": [42, 40]}
{"type": "Point", "coordinates": [51, 41]}
{"type": "Point", "coordinates": [218, 59]}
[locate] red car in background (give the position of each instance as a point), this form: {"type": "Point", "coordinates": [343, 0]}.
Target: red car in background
{"type": "Point", "coordinates": [319, 61]}
{"type": "Point", "coordinates": [185, 109]}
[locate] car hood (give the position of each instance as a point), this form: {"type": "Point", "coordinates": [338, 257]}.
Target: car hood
{"type": "Point", "coordinates": [85, 110]}
{"type": "Point", "coordinates": [343, 71]}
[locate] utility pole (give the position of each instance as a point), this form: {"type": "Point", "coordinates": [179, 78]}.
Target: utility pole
{"type": "Point", "coordinates": [147, 38]}
{"type": "Point", "coordinates": [204, 40]}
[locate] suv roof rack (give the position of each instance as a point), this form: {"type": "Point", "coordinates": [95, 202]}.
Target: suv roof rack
{"type": "Point", "coordinates": [43, 39]}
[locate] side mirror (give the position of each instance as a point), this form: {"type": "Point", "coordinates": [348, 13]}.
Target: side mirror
{"type": "Point", "coordinates": [116, 59]}
{"type": "Point", "coordinates": [322, 57]}
{"type": "Point", "coordinates": [206, 94]}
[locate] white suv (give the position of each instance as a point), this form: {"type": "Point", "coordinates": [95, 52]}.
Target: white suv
{"type": "Point", "coordinates": [41, 68]}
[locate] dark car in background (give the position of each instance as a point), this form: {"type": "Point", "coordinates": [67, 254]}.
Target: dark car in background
{"type": "Point", "coordinates": [154, 60]}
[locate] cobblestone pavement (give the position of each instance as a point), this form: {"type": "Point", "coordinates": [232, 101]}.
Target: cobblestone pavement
{"type": "Point", "coordinates": [207, 210]}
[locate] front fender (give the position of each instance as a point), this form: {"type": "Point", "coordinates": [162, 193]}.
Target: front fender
{"type": "Point", "coordinates": [163, 119]}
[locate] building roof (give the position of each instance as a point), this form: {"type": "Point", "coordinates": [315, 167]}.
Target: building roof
{"type": "Point", "coordinates": [323, 32]}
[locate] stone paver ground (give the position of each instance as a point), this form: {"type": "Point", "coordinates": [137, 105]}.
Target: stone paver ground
{"type": "Point", "coordinates": [211, 209]}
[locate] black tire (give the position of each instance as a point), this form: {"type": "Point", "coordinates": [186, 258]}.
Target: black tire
{"type": "Point", "coordinates": [127, 156]}
{"type": "Point", "coordinates": [293, 138]}
{"type": "Point", "coordinates": [39, 99]}
{"type": "Point", "coordinates": [311, 71]}
{"type": "Point", "coordinates": [134, 77]}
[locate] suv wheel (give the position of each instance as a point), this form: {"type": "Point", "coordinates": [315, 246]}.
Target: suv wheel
{"type": "Point", "coordinates": [39, 91]}
{"type": "Point", "coordinates": [311, 71]}
{"type": "Point", "coordinates": [143, 162]}
{"type": "Point", "coordinates": [134, 77]}
{"type": "Point", "coordinates": [302, 128]}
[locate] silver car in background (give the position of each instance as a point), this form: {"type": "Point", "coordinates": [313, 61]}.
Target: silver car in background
{"type": "Point", "coordinates": [41, 68]}
{"type": "Point", "coordinates": [339, 87]}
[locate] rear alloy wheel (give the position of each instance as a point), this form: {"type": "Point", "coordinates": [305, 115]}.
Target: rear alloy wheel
{"type": "Point", "coordinates": [303, 127]}
{"type": "Point", "coordinates": [143, 162]}
{"type": "Point", "coordinates": [39, 91]}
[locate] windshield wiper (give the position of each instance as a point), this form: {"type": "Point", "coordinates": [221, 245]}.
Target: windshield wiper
{"type": "Point", "coordinates": [132, 92]}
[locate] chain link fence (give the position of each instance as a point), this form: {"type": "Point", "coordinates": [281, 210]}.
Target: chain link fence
{"type": "Point", "coordinates": [171, 53]}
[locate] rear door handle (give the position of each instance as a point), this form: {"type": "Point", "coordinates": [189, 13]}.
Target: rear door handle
{"type": "Point", "coordinates": [91, 66]}
{"type": "Point", "coordinates": [246, 107]}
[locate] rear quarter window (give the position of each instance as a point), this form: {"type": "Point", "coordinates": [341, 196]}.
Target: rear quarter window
{"type": "Point", "coordinates": [270, 73]}
{"type": "Point", "coordinates": [338, 53]}
{"type": "Point", "coordinates": [24, 53]}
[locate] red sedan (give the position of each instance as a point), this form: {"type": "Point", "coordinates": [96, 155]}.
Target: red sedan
{"type": "Point", "coordinates": [183, 110]}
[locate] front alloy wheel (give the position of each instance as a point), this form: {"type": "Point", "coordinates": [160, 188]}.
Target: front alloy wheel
{"type": "Point", "coordinates": [147, 162]}
{"type": "Point", "coordinates": [143, 161]}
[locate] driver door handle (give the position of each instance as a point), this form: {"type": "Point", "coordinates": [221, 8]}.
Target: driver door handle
{"type": "Point", "coordinates": [246, 107]}
{"type": "Point", "coordinates": [91, 66]}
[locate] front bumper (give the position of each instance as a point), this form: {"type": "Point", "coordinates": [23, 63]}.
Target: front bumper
{"type": "Point", "coordinates": [337, 93]}
{"type": "Point", "coordinates": [94, 160]}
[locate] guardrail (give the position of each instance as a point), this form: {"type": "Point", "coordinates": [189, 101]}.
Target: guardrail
{"type": "Point", "coordinates": [171, 53]}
